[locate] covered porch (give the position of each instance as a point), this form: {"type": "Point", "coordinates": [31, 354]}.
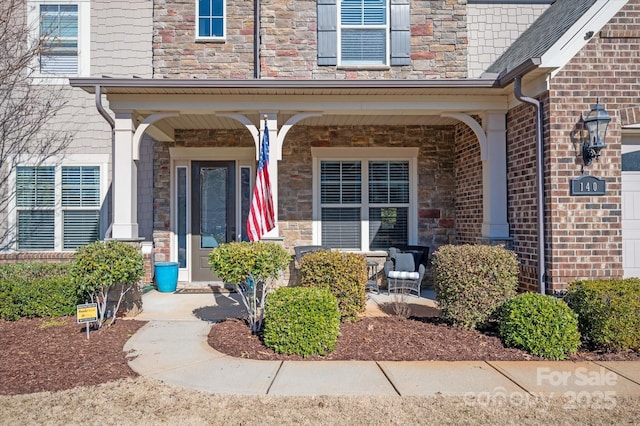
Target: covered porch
{"type": "Point", "coordinates": [186, 132]}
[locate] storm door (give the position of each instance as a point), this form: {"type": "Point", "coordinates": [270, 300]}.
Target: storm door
{"type": "Point", "coordinates": [213, 212]}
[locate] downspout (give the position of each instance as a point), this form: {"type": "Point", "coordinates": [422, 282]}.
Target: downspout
{"type": "Point", "coordinates": [101, 109]}
{"type": "Point", "coordinates": [256, 41]}
{"type": "Point", "coordinates": [112, 123]}
{"type": "Point", "coordinates": [517, 90]}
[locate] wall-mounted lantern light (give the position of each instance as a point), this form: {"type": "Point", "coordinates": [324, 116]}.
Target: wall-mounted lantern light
{"type": "Point", "coordinates": [597, 122]}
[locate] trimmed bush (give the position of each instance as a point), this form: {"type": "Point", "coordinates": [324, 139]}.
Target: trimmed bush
{"type": "Point", "coordinates": [100, 266]}
{"type": "Point", "coordinates": [472, 281]}
{"type": "Point", "coordinates": [33, 289]}
{"type": "Point", "coordinates": [608, 312]}
{"type": "Point", "coordinates": [345, 274]}
{"type": "Point", "coordinates": [235, 262]}
{"type": "Point", "coordinates": [541, 325]}
{"type": "Point", "coordinates": [301, 320]}
{"type": "Point", "coordinates": [252, 269]}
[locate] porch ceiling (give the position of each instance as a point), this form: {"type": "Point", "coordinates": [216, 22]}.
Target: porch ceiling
{"type": "Point", "coordinates": [200, 121]}
{"type": "Point", "coordinates": [203, 104]}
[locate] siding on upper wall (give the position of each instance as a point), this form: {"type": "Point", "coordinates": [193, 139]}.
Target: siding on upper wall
{"type": "Point", "coordinates": [120, 47]}
{"type": "Point", "coordinates": [121, 38]}
{"type": "Point", "coordinates": [492, 28]}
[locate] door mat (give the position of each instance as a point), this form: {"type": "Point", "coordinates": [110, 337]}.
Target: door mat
{"type": "Point", "coordinates": [207, 290]}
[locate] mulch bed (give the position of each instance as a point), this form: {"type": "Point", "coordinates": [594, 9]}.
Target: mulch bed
{"type": "Point", "coordinates": [54, 354]}
{"type": "Point", "coordinates": [393, 339]}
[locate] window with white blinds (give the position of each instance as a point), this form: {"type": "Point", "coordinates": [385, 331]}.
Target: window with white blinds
{"type": "Point", "coordinates": [381, 208]}
{"type": "Point", "coordinates": [59, 32]}
{"type": "Point", "coordinates": [364, 32]}
{"type": "Point", "coordinates": [43, 196]}
{"type": "Point", "coordinates": [35, 202]}
{"type": "Point", "coordinates": [80, 205]}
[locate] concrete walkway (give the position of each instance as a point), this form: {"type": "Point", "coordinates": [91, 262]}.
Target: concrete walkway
{"type": "Point", "coordinates": [172, 347]}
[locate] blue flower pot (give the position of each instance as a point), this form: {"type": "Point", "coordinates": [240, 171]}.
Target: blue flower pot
{"type": "Point", "coordinates": [166, 276]}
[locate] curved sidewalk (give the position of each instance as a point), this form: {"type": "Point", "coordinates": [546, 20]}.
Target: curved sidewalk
{"type": "Point", "coordinates": [172, 347]}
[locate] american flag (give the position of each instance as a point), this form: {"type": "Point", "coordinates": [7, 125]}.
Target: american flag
{"type": "Point", "coordinates": [261, 216]}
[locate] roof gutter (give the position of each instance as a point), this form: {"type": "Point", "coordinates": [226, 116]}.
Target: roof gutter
{"type": "Point", "coordinates": [88, 83]}
{"type": "Point", "coordinates": [524, 68]}
{"type": "Point", "coordinates": [517, 90]}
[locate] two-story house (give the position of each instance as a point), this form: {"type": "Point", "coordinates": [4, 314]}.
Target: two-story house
{"type": "Point", "coordinates": [391, 122]}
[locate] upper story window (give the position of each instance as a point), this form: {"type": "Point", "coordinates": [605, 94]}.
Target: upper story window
{"type": "Point", "coordinates": [211, 19]}
{"type": "Point", "coordinates": [364, 33]}
{"type": "Point", "coordinates": [64, 31]}
{"type": "Point", "coordinates": [59, 32]}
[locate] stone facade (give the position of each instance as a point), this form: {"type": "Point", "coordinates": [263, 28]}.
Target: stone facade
{"type": "Point", "coordinates": [435, 179]}
{"type": "Point", "coordinates": [288, 45]}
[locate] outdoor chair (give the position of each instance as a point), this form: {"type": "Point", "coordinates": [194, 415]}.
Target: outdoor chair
{"type": "Point", "coordinates": [302, 250]}
{"type": "Point", "coordinates": [401, 272]}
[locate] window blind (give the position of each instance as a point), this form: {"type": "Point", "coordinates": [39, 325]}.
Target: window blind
{"type": "Point", "coordinates": [80, 227]}
{"type": "Point", "coordinates": [59, 32]}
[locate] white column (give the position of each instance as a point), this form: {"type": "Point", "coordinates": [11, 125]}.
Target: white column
{"type": "Point", "coordinates": [124, 180]}
{"type": "Point", "coordinates": [494, 177]}
{"type": "Point", "coordinates": [272, 125]}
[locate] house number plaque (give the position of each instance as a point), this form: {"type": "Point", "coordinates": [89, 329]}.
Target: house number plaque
{"type": "Point", "coordinates": [588, 185]}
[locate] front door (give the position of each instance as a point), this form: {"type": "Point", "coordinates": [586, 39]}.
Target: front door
{"type": "Point", "coordinates": [213, 212]}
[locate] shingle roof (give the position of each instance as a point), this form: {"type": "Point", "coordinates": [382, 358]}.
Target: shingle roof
{"type": "Point", "coordinates": [542, 34]}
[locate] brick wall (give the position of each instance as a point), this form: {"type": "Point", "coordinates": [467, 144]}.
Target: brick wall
{"type": "Point", "coordinates": [521, 191]}
{"type": "Point", "coordinates": [468, 181]}
{"type": "Point", "coordinates": [586, 236]}
{"type": "Point", "coordinates": [47, 257]}
{"type": "Point", "coordinates": [289, 43]}
{"type": "Point", "coordinates": [59, 257]}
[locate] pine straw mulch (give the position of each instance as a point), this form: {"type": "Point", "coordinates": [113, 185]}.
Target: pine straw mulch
{"type": "Point", "coordinates": [54, 354]}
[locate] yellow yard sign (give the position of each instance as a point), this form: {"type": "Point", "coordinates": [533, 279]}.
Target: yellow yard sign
{"type": "Point", "coordinates": [87, 312]}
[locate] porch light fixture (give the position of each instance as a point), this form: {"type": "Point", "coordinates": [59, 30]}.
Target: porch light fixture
{"type": "Point", "coordinates": [596, 122]}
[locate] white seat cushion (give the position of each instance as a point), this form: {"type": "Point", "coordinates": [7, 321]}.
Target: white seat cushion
{"type": "Point", "coordinates": [404, 275]}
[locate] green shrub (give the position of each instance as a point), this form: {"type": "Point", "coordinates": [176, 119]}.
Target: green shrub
{"type": "Point", "coordinates": [608, 312]}
{"type": "Point", "coordinates": [99, 266]}
{"type": "Point", "coordinates": [541, 325]}
{"type": "Point", "coordinates": [252, 269]}
{"type": "Point", "coordinates": [472, 281]}
{"type": "Point", "coordinates": [345, 274]}
{"type": "Point", "coordinates": [301, 320]}
{"type": "Point", "coordinates": [235, 262]}
{"type": "Point", "coordinates": [33, 289]}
